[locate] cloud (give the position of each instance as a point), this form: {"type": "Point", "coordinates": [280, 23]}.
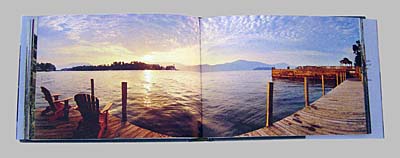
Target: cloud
{"type": "Point", "coordinates": [116, 35]}
{"type": "Point", "coordinates": [254, 35]}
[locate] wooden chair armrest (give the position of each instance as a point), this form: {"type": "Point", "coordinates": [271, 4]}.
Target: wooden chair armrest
{"type": "Point", "coordinates": [56, 95]}
{"type": "Point", "coordinates": [62, 100]}
{"type": "Point", "coordinates": [106, 108]}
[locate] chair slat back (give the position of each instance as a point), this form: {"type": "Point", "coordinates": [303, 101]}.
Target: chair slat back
{"type": "Point", "coordinates": [48, 98]}
{"type": "Point", "coordinates": [88, 107]}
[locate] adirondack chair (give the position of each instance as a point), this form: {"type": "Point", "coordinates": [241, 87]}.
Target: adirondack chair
{"type": "Point", "coordinates": [58, 108]}
{"type": "Point", "coordinates": [94, 121]}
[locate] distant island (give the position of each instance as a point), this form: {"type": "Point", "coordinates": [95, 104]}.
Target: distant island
{"type": "Point", "coordinates": [45, 67]}
{"type": "Point", "coordinates": [241, 65]}
{"type": "Point", "coordinates": [134, 65]}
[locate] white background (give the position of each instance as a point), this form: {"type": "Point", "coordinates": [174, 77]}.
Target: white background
{"type": "Point", "coordinates": [385, 11]}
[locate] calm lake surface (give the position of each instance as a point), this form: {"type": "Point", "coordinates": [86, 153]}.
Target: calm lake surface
{"type": "Point", "coordinates": [171, 102]}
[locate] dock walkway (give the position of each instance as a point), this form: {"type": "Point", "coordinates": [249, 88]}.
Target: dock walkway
{"type": "Point", "coordinates": [59, 129]}
{"type": "Point", "coordinates": [341, 111]}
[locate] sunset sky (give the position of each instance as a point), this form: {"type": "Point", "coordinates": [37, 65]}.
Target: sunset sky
{"type": "Point", "coordinates": [101, 39]}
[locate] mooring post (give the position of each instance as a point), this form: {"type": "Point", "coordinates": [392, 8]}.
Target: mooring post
{"type": "Point", "coordinates": [124, 97]}
{"type": "Point", "coordinates": [323, 84]}
{"type": "Point", "coordinates": [306, 98]}
{"type": "Point", "coordinates": [270, 94]}
{"type": "Point", "coordinates": [92, 87]}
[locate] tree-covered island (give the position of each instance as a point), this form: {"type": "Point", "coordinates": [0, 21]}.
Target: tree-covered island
{"type": "Point", "coordinates": [134, 65]}
{"type": "Point", "coordinates": [45, 67]}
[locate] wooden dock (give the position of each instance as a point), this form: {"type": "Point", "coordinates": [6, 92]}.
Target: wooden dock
{"type": "Point", "coordinates": [340, 112]}
{"type": "Point", "coordinates": [60, 129]}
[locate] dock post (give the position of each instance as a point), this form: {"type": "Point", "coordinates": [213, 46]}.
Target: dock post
{"type": "Point", "coordinates": [270, 94]}
{"type": "Point", "coordinates": [337, 79]}
{"type": "Point", "coordinates": [92, 87]}
{"type": "Point", "coordinates": [323, 85]}
{"type": "Point", "coordinates": [306, 98]}
{"type": "Point", "coordinates": [124, 98]}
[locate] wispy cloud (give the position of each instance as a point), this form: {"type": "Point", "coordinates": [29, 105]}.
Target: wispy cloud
{"type": "Point", "coordinates": [100, 39]}
{"type": "Point", "coordinates": [228, 37]}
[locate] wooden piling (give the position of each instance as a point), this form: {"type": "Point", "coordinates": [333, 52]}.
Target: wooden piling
{"type": "Point", "coordinates": [270, 92]}
{"type": "Point", "coordinates": [124, 101]}
{"type": "Point", "coordinates": [92, 87]}
{"type": "Point", "coordinates": [323, 84]}
{"type": "Point", "coordinates": [306, 98]}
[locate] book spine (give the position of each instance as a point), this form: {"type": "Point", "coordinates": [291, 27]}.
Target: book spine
{"type": "Point", "coordinates": [26, 77]}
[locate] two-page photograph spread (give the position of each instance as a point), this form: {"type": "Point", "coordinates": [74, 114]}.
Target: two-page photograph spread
{"type": "Point", "coordinates": [171, 77]}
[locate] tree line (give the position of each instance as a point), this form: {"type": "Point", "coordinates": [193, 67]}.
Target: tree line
{"type": "Point", "coordinates": [45, 67]}
{"type": "Point", "coordinates": [134, 65]}
{"type": "Point", "coordinates": [357, 50]}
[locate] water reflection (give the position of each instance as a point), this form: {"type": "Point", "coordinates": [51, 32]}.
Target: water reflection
{"type": "Point", "coordinates": [148, 76]}
{"type": "Point", "coordinates": [167, 102]}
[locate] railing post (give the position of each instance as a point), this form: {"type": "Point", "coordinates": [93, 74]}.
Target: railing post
{"type": "Point", "coordinates": [362, 77]}
{"type": "Point", "coordinates": [342, 77]}
{"type": "Point", "coordinates": [306, 98]}
{"type": "Point", "coordinates": [270, 94]}
{"type": "Point", "coordinates": [92, 87]}
{"type": "Point", "coordinates": [124, 98]}
{"type": "Point", "coordinates": [337, 79]}
{"type": "Point", "coordinates": [323, 84]}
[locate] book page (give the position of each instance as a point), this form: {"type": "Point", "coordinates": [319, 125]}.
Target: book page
{"type": "Point", "coordinates": [282, 76]}
{"type": "Point", "coordinates": [145, 65]}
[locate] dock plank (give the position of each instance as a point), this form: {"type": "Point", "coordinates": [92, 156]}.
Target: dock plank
{"type": "Point", "coordinates": [339, 112]}
{"type": "Point", "coordinates": [60, 129]}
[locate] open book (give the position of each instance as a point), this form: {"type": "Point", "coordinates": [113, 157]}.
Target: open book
{"type": "Point", "coordinates": [171, 77]}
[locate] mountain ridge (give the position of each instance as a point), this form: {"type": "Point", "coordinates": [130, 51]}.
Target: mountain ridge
{"type": "Point", "coordinates": [238, 65]}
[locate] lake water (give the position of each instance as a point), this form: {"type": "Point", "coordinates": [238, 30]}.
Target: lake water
{"type": "Point", "coordinates": [171, 102]}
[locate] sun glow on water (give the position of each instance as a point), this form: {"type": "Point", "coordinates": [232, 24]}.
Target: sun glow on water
{"type": "Point", "coordinates": [148, 77]}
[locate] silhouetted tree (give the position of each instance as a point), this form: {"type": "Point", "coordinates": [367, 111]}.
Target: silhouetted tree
{"type": "Point", "coordinates": [346, 61]}
{"type": "Point", "coordinates": [357, 51]}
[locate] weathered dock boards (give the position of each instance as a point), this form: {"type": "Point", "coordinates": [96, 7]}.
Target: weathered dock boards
{"type": "Point", "coordinates": [341, 111]}
{"type": "Point", "coordinates": [59, 129]}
